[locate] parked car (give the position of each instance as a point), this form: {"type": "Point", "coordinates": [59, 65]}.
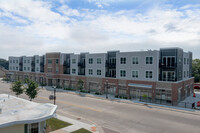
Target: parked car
{"type": "Point", "coordinates": [196, 87]}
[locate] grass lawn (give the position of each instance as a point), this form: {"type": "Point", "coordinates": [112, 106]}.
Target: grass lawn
{"type": "Point", "coordinates": [55, 124]}
{"type": "Point", "coordinates": [82, 130]}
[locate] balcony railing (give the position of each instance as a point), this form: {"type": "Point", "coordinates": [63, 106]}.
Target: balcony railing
{"type": "Point", "coordinates": [110, 65]}
{"type": "Point", "coordinates": [81, 64]}
{"type": "Point", "coordinates": [173, 66]}
{"type": "Point", "coordinates": [66, 64]}
{"type": "Point", "coordinates": [110, 75]}
{"type": "Point", "coordinates": [81, 73]}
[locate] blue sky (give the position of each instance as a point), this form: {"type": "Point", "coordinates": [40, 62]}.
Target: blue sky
{"type": "Point", "coordinates": [30, 27]}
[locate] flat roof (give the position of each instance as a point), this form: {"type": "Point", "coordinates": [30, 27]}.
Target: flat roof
{"type": "Point", "coordinates": [16, 110]}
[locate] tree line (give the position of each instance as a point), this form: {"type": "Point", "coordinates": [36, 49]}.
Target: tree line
{"type": "Point", "coordinates": [196, 70]}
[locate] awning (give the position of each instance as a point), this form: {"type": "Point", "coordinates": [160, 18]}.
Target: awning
{"type": "Point", "coordinates": [140, 85]}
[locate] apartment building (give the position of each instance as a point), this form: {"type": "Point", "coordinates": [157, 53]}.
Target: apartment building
{"type": "Point", "coordinates": [164, 74]}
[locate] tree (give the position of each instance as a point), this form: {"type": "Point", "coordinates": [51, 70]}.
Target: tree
{"type": "Point", "coordinates": [196, 69]}
{"type": "Point", "coordinates": [32, 89]}
{"type": "Point", "coordinates": [17, 88]}
{"type": "Point", "coordinates": [80, 84]}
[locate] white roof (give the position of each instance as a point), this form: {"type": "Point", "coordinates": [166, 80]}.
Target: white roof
{"type": "Point", "coordinates": [16, 110]}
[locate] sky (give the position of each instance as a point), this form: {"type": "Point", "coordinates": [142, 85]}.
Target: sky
{"type": "Point", "coordinates": [35, 27]}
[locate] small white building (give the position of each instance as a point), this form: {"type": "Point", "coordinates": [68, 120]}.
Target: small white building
{"type": "Point", "coordinates": [22, 116]}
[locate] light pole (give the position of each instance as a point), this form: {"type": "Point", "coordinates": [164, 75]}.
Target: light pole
{"type": "Point", "coordinates": [106, 89]}
{"type": "Point", "coordinates": [54, 97]}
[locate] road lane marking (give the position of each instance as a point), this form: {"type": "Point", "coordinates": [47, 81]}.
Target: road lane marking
{"type": "Point", "coordinates": [75, 105]}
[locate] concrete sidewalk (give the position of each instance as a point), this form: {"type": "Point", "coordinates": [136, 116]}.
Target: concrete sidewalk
{"type": "Point", "coordinates": [76, 125]}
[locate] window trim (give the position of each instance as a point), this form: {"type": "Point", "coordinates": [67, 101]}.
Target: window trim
{"type": "Point", "coordinates": [120, 73]}
{"type": "Point", "coordinates": [132, 60]}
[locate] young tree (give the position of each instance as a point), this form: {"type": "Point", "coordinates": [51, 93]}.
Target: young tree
{"type": "Point", "coordinates": [32, 89]}
{"type": "Point", "coordinates": [80, 84]}
{"type": "Point", "coordinates": [17, 88]}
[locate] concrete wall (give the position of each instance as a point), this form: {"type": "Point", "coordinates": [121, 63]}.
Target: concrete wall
{"type": "Point", "coordinates": [14, 63]}
{"type": "Point", "coordinates": [141, 67]}
{"type": "Point", "coordinates": [95, 66]}
{"type": "Point", "coordinates": [13, 129]}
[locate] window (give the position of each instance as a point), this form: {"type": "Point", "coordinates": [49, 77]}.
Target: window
{"type": "Point", "coordinates": [57, 61]}
{"type": "Point", "coordinates": [10, 61]}
{"type": "Point", "coordinates": [184, 74]}
{"type": "Point", "coordinates": [90, 60]}
{"type": "Point", "coordinates": [135, 74]}
{"type": "Point", "coordinates": [184, 60]}
{"type": "Point", "coordinates": [28, 68]}
{"type": "Point", "coordinates": [98, 72]}
{"type": "Point", "coordinates": [13, 68]}
{"type": "Point", "coordinates": [49, 70]}
{"type": "Point", "coordinates": [73, 71]}
{"type": "Point", "coordinates": [73, 61]}
{"type": "Point", "coordinates": [57, 70]}
{"type": "Point", "coordinates": [16, 68]}
{"type": "Point", "coordinates": [98, 60]}
{"type": "Point", "coordinates": [10, 68]}
{"type": "Point", "coordinates": [135, 60]}
{"type": "Point", "coordinates": [149, 74]}
{"type": "Point", "coordinates": [13, 61]}
{"type": "Point", "coordinates": [37, 61]}
{"type": "Point", "coordinates": [122, 73]}
{"type": "Point", "coordinates": [187, 61]}
{"type": "Point", "coordinates": [123, 60]}
{"type": "Point", "coordinates": [33, 128]}
{"type": "Point", "coordinates": [49, 61]}
{"type": "Point", "coordinates": [90, 71]}
{"type": "Point", "coordinates": [37, 69]}
{"type": "Point", "coordinates": [24, 61]}
{"type": "Point", "coordinates": [28, 61]}
{"type": "Point", "coordinates": [24, 68]}
{"type": "Point", "coordinates": [149, 60]}
{"type": "Point", "coordinates": [187, 73]}
{"type": "Point", "coordinates": [16, 61]}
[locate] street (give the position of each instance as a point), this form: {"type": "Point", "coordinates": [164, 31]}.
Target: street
{"type": "Point", "coordinates": [114, 117]}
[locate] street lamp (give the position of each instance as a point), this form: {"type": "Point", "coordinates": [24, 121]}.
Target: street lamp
{"type": "Point", "coordinates": [54, 97]}
{"type": "Point", "coordinates": [106, 89]}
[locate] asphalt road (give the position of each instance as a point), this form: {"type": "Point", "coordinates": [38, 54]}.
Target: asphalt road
{"type": "Point", "coordinates": [116, 117]}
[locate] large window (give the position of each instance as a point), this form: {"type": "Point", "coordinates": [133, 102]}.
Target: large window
{"type": "Point", "coordinates": [73, 61]}
{"type": "Point", "coordinates": [149, 74]}
{"type": "Point", "coordinates": [135, 74]}
{"type": "Point", "coordinates": [122, 73]}
{"type": "Point", "coordinates": [49, 61]}
{"type": "Point", "coordinates": [149, 60]}
{"type": "Point", "coordinates": [90, 72]}
{"type": "Point", "coordinates": [98, 72]}
{"type": "Point", "coordinates": [168, 76]}
{"type": "Point", "coordinates": [168, 61]}
{"type": "Point", "coordinates": [90, 60]}
{"type": "Point", "coordinates": [33, 128]}
{"type": "Point", "coordinates": [135, 60]}
{"type": "Point", "coordinates": [123, 60]}
{"type": "Point", "coordinates": [98, 60]}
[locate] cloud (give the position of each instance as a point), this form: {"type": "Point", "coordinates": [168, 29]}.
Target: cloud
{"type": "Point", "coordinates": [45, 28]}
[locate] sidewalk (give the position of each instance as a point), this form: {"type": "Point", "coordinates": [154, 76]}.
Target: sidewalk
{"type": "Point", "coordinates": [76, 125]}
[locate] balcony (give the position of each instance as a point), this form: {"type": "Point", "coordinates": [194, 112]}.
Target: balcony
{"type": "Point", "coordinates": [110, 75]}
{"type": "Point", "coordinates": [110, 65]}
{"type": "Point", "coordinates": [32, 63]}
{"type": "Point", "coordinates": [81, 64]}
{"type": "Point", "coordinates": [66, 64]}
{"type": "Point", "coordinates": [164, 66]}
{"type": "Point", "coordinates": [81, 73]}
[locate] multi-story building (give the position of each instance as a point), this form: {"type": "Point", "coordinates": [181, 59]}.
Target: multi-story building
{"type": "Point", "coordinates": [163, 75]}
